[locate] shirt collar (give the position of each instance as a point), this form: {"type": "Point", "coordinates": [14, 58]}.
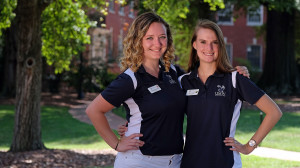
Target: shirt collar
{"type": "Point", "coordinates": [194, 74]}
{"type": "Point", "coordinates": [142, 69]}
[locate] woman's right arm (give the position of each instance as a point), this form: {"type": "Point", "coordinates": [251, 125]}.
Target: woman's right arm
{"type": "Point", "coordinates": [273, 114]}
{"type": "Point", "coordinates": [95, 111]}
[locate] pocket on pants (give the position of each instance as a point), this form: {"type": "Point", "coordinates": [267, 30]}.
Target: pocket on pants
{"type": "Point", "coordinates": [128, 160]}
{"type": "Point", "coordinates": [175, 161]}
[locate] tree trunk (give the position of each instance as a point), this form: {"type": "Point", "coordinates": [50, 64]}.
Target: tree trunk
{"type": "Point", "coordinates": [280, 74]}
{"type": "Point", "coordinates": [80, 94]}
{"type": "Point", "coordinates": [26, 26]}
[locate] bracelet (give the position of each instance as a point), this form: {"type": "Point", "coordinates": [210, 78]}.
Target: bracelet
{"type": "Point", "coordinates": [117, 145]}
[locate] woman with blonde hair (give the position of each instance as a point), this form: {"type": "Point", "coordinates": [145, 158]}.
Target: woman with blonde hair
{"type": "Point", "coordinates": [149, 91]}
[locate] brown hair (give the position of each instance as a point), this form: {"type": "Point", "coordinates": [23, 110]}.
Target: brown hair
{"type": "Point", "coordinates": [223, 63]}
{"type": "Point", "coordinates": [133, 48]}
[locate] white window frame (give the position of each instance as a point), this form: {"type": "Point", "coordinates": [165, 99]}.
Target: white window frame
{"type": "Point", "coordinates": [230, 54]}
{"type": "Point", "coordinates": [131, 9]}
{"type": "Point", "coordinates": [121, 10]}
{"type": "Point", "coordinates": [111, 7]}
{"type": "Point", "coordinates": [260, 11]}
{"type": "Point", "coordinates": [228, 8]}
{"type": "Point", "coordinates": [260, 55]}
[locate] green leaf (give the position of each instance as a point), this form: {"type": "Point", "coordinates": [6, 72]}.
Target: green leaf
{"type": "Point", "coordinates": [6, 14]}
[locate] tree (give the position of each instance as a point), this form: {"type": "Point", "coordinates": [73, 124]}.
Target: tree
{"type": "Point", "coordinates": [25, 31]}
{"type": "Point", "coordinates": [280, 74]}
{"type": "Point", "coordinates": [55, 29]}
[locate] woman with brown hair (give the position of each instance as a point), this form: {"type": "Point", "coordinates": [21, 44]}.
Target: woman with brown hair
{"type": "Point", "coordinates": [214, 97]}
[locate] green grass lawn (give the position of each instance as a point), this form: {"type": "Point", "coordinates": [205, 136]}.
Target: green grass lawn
{"type": "Point", "coordinates": [285, 135]}
{"type": "Point", "coordinates": [250, 161]}
{"type": "Point", "coordinates": [59, 130]}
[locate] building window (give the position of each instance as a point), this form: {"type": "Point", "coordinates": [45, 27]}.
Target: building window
{"type": "Point", "coordinates": [254, 56]}
{"type": "Point", "coordinates": [121, 10]}
{"type": "Point", "coordinates": [131, 9]}
{"type": "Point", "coordinates": [255, 16]}
{"type": "Point", "coordinates": [224, 16]}
{"type": "Point", "coordinates": [111, 6]}
{"type": "Point", "coordinates": [229, 51]}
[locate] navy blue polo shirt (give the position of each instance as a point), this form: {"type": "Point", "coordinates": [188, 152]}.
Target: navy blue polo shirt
{"type": "Point", "coordinates": [154, 107]}
{"type": "Point", "coordinates": [213, 110]}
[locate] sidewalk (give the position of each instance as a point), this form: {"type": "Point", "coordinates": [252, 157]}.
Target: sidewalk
{"type": "Point", "coordinates": [78, 112]}
{"type": "Point", "coordinates": [276, 154]}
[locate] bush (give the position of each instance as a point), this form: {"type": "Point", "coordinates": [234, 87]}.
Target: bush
{"type": "Point", "coordinates": [89, 77]}
{"type": "Point", "coordinates": [255, 73]}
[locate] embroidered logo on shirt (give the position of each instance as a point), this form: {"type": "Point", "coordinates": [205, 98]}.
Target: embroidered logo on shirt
{"type": "Point", "coordinates": [220, 91]}
{"type": "Point", "coordinates": [170, 79]}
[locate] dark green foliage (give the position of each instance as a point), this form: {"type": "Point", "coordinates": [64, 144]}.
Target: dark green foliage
{"type": "Point", "coordinates": [6, 13]}
{"type": "Point", "coordinates": [92, 78]}
{"type": "Point", "coordinates": [255, 73]}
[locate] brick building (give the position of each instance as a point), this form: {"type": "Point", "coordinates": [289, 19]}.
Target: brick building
{"type": "Point", "coordinates": [106, 41]}
{"type": "Point", "coordinates": [118, 20]}
{"type": "Point", "coordinates": [241, 36]}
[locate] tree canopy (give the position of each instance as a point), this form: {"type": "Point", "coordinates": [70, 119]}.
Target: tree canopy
{"type": "Point", "coordinates": [7, 14]}
{"type": "Point", "coordinates": [64, 28]}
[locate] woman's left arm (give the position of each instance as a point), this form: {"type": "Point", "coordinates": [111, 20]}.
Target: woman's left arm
{"type": "Point", "coordinates": [273, 114]}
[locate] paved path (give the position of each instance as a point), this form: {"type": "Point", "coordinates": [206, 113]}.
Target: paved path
{"type": "Point", "coordinates": [276, 153]}
{"type": "Point", "coordinates": [78, 112]}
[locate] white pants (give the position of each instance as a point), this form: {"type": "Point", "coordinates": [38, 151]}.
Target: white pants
{"type": "Point", "coordinates": [137, 160]}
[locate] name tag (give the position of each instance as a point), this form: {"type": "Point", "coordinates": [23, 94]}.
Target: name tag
{"type": "Point", "coordinates": [154, 89]}
{"type": "Point", "coordinates": [192, 92]}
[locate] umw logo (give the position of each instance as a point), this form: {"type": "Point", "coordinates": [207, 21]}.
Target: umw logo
{"type": "Point", "coordinates": [220, 91]}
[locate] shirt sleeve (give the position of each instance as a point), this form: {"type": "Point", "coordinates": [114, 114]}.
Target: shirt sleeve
{"type": "Point", "coordinates": [247, 90]}
{"type": "Point", "coordinates": [119, 90]}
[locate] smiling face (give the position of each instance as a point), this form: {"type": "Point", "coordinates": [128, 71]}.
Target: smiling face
{"type": "Point", "coordinates": [207, 45]}
{"type": "Point", "coordinates": [155, 41]}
